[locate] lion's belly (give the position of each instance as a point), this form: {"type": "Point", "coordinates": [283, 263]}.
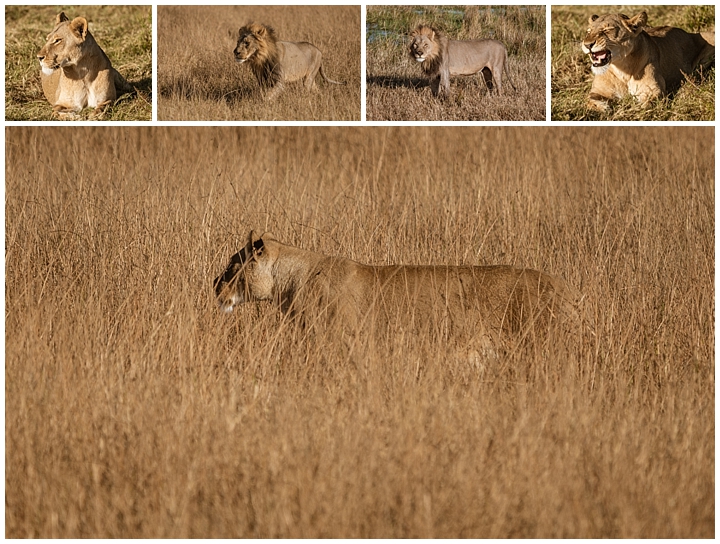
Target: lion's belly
{"type": "Point", "coordinates": [466, 70]}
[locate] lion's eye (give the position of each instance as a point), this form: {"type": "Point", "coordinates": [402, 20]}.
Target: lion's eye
{"type": "Point", "coordinates": [57, 40]}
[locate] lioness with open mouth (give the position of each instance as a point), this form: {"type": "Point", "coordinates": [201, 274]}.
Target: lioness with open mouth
{"type": "Point", "coordinates": [628, 57]}
{"type": "Point", "coordinates": [485, 303]}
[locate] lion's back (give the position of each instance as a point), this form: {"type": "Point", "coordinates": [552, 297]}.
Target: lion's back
{"type": "Point", "coordinates": [467, 57]}
{"type": "Point", "coordinates": [494, 299]}
{"type": "Point", "coordinates": [299, 59]}
{"type": "Point", "coordinates": [678, 51]}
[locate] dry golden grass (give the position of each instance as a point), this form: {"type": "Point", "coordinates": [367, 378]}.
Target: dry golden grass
{"type": "Point", "coordinates": [571, 76]}
{"type": "Point", "coordinates": [198, 78]}
{"type": "Point", "coordinates": [123, 32]}
{"type": "Point", "coordinates": [135, 409]}
{"type": "Point", "coordinates": [397, 90]}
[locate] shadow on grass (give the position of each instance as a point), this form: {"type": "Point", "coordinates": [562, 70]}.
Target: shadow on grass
{"type": "Point", "coordinates": [391, 82]}
{"type": "Point", "coordinates": [144, 84]}
{"type": "Point", "coordinates": [185, 89]}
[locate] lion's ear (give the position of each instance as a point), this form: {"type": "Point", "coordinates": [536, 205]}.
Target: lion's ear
{"type": "Point", "coordinates": [255, 244]}
{"type": "Point", "coordinates": [636, 23]}
{"type": "Point", "coordinates": [79, 27]}
{"type": "Point", "coordinates": [592, 18]}
{"type": "Point", "coordinates": [61, 18]}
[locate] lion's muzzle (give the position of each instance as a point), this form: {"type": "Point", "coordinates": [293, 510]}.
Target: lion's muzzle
{"type": "Point", "coordinates": [600, 58]}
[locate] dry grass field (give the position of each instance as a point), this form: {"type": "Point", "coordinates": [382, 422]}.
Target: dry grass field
{"type": "Point", "coordinates": [198, 78]}
{"type": "Point", "coordinates": [397, 89]}
{"type": "Point", "coordinates": [123, 32]}
{"type": "Point", "coordinates": [571, 77]}
{"type": "Point", "coordinates": [134, 408]}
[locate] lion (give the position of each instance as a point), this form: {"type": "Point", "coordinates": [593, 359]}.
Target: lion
{"type": "Point", "coordinates": [76, 72]}
{"type": "Point", "coordinates": [485, 305]}
{"type": "Point", "coordinates": [441, 58]}
{"type": "Point", "coordinates": [629, 57]}
{"type": "Point", "coordinates": [275, 63]}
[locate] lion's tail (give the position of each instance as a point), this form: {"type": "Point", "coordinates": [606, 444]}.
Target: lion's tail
{"type": "Point", "coordinates": [121, 84]}
{"type": "Point", "coordinates": [322, 73]}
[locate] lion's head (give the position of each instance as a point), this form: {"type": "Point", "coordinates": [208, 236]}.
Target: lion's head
{"type": "Point", "coordinates": [248, 276]}
{"type": "Point", "coordinates": [256, 43]}
{"type": "Point", "coordinates": [610, 37]}
{"type": "Point", "coordinates": [64, 45]}
{"type": "Point", "coordinates": [426, 46]}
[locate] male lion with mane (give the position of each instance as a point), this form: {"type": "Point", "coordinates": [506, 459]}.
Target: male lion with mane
{"type": "Point", "coordinates": [441, 58]}
{"type": "Point", "coordinates": [629, 57]}
{"type": "Point", "coordinates": [275, 63]}
{"type": "Point", "coordinates": [76, 72]}
{"type": "Point", "coordinates": [484, 305]}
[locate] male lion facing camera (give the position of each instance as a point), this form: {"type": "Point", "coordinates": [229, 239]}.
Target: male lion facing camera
{"type": "Point", "coordinates": [482, 304]}
{"type": "Point", "coordinates": [441, 58]}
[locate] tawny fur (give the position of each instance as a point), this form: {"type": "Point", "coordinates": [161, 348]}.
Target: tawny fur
{"type": "Point", "coordinates": [629, 57]}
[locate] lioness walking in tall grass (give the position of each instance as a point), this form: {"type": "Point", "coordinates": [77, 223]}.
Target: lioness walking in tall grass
{"type": "Point", "coordinates": [484, 304]}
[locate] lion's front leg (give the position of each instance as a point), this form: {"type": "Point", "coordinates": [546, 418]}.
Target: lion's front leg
{"type": "Point", "coordinates": [605, 87]}
{"type": "Point", "coordinates": [435, 85]}
{"type": "Point", "coordinates": [65, 115]}
{"type": "Point", "coordinates": [99, 111]}
{"type": "Point", "coordinates": [444, 82]}
{"type": "Point", "coordinates": [647, 88]}
{"type": "Point", "coordinates": [598, 102]}
{"type": "Point", "coordinates": [274, 91]}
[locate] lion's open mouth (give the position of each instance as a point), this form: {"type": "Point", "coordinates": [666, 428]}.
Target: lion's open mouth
{"type": "Point", "coordinates": [600, 58]}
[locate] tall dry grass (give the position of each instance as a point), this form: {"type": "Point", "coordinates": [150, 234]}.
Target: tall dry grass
{"type": "Point", "coordinates": [397, 89]}
{"type": "Point", "coordinates": [135, 409]}
{"type": "Point", "coordinates": [199, 80]}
